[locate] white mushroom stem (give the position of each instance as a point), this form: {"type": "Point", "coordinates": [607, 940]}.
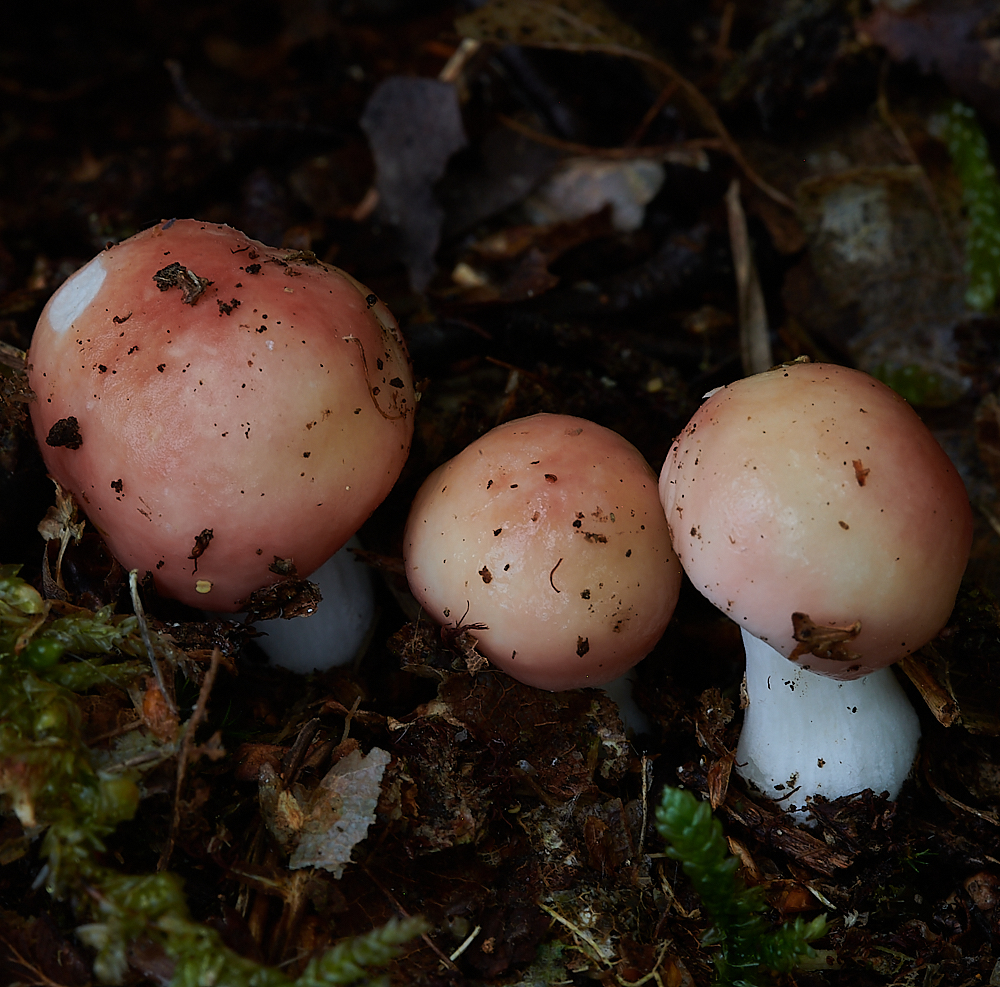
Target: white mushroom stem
{"type": "Point", "coordinates": [622, 691]}
{"type": "Point", "coordinates": [805, 734]}
{"type": "Point", "coordinates": [336, 632]}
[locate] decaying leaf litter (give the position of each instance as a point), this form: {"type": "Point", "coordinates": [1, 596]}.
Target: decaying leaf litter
{"type": "Point", "coordinates": [605, 212]}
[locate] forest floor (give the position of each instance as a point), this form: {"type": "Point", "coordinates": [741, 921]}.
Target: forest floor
{"type": "Point", "coordinates": [564, 224]}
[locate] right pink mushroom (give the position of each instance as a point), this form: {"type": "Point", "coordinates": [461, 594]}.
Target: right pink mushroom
{"type": "Point", "coordinates": [812, 505]}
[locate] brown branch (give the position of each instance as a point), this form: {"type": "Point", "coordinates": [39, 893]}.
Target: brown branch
{"type": "Point", "coordinates": [666, 94]}
{"type": "Point", "coordinates": [696, 99]}
{"type": "Point", "coordinates": [682, 148]}
{"type": "Point", "coordinates": [185, 753]}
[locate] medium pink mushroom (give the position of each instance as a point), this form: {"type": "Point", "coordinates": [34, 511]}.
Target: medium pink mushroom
{"type": "Point", "coordinates": [549, 532]}
{"type": "Point", "coordinates": [214, 403]}
{"type": "Point", "coordinates": [812, 505]}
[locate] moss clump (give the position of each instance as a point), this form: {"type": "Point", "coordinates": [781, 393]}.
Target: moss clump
{"type": "Point", "coordinates": [748, 943]}
{"type": "Point", "coordinates": [50, 781]}
{"type": "Point", "coordinates": [970, 155]}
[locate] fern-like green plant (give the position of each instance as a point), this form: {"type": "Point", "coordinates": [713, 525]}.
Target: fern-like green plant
{"type": "Point", "coordinates": [52, 783]}
{"type": "Point", "coordinates": [748, 944]}
{"type": "Point", "coordinates": [970, 155]}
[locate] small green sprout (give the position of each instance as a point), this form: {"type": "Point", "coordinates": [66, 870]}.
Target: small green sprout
{"type": "Point", "coordinates": [748, 943]}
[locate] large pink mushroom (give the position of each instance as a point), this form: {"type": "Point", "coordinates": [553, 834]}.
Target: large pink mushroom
{"type": "Point", "coordinates": [547, 535]}
{"type": "Point", "coordinates": [214, 403]}
{"type": "Point", "coordinates": [812, 505]}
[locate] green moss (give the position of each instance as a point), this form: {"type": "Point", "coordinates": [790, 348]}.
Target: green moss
{"type": "Point", "coordinates": [747, 943]}
{"type": "Point", "coordinates": [49, 780]}
{"type": "Point", "coordinates": [918, 385]}
{"type": "Point", "coordinates": [970, 155]}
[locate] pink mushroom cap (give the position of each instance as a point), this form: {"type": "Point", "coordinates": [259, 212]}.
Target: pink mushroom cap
{"type": "Point", "coordinates": [815, 489]}
{"type": "Point", "coordinates": [213, 403]}
{"type": "Point", "coordinates": [549, 532]}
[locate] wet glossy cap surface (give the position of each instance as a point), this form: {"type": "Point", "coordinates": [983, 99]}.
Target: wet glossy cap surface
{"type": "Point", "coordinates": [549, 531]}
{"type": "Point", "coordinates": [194, 380]}
{"type": "Point", "coordinates": [816, 489]}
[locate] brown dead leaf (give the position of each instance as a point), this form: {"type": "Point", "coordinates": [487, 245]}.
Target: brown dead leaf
{"type": "Point", "coordinates": [162, 721]}
{"type": "Point", "coordinates": [414, 126]}
{"type": "Point", "coordinates": [946, 37]}
{"type": "Point", "coordinates": [823, 642]}
{"type": "Point", "coordinates": [251, 758]}
{"type": "Point", "coordinates": [513, 265]}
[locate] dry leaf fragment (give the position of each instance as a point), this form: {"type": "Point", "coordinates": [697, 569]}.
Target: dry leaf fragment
{"type": "Point", "coordinates": [413, 126]}
{"type": "Point", "coordinates": [162, 721]}
{"type": "Point", "coordinates": [322, 827]}
{"type": "Point", "coordinates": [823, 642]}
{"type": "Point", "coordinates": [61, 522]}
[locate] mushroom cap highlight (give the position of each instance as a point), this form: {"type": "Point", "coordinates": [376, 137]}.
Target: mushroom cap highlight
{"type": "Point", "coordinates": [213, 403]}
{"type": "Point", "coordinates": [547, 530]}
{"type": "Point", "coordinates": [815, 489]}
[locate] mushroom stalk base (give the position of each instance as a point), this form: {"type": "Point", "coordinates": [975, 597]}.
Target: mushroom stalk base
{"type": "Point", "coordinates": [806, 735]}
{"type": "Point", "coordinates": [335, 634]}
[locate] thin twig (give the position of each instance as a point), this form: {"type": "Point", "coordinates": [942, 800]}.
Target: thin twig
{"type": "Point", "coordinates": [394, 901]}
{"type": "Point", "coordinates": [469, 939]}
{"type": "Point", "coordinates": [133, 585]}
{"type": "Point", "coordinates": [653, 974]}
{"type": "Point", "coordinates": [117, 732]}
{"type": "Point", "coordinates": [299, 749]}
{"type": "Point", "coordinates": [991, 517]}
{"type": "Point", "coordinates": [16, 958]}
{"type": "Point", "coordinates": [666, 94]}
{"type": "Point", "coordinates": [184, 753]}
{"type": "Point", "coordinates": [578, 932]}
{"type": "Point", "coordinates": [349, 717]}
{"type": "Point", "coordinates": [722, 52]}
{"type": "Point", "coordinates": [646, 764]}
{"type": "Point", "coordinates": [163, 753]}
{"type": "Point", "coordinates": [455, 65]}
{"type": "Point", "coordinates": [537, 378]}
{"type": "Point", "coordinates": [680, 152]}
{"type": "Point", "coordinates": [755, 340]}
{"type": "Point", "coordinates": [697, 100]}
{"type": "Point", "coordinates": [985, 815]}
